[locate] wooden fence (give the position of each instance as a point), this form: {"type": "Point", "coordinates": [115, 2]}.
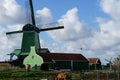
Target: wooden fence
{"type": "Point", "coordinates": [96, 75]}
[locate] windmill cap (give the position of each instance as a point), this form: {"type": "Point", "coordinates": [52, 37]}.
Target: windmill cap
{"type": "Point", "coordinates": [30, 27]}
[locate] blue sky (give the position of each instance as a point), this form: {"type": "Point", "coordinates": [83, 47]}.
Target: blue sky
{"type": "Point", "coordinates": [88, 10]}
{"type": "Point", "coordinates": [89, 24]}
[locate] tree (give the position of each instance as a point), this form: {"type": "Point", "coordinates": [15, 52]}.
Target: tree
{"type": "Point", "coordinates": [116, 63]}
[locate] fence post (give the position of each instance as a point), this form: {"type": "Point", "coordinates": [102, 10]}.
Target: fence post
{"type": "Point", "coordinates": [115, 75]}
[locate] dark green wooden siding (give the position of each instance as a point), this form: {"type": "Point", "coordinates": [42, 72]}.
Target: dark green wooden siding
{"type": "Point", "coordinates": [79, 65]}
{"type": "Point", "coordinates": [95, 66]}
{"type": "Point", "coordinates": [73, 65]}
{"type": "Point", "coordinates": [30, 39]}
{"type": "Point", "coordinates": [62, 65]}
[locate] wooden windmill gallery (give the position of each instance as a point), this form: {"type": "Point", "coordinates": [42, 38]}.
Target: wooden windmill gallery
{"type": "Point", "coordinates": [31, 52]}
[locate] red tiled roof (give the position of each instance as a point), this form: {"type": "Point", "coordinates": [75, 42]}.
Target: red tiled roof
{"type": "Point", "coordinates": [48, 57]}
{"type": "Point", "coordinates": [93, 60]}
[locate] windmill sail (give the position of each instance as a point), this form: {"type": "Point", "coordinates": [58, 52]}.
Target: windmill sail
{"type": "Point", "coordinates": [32, 13]}
{"type": "Point", "coordinates": [28, 12]}
{"type": "Point", "coordinates": [51, 26]}
{"type": "Point", "coordinates": [14, 32]}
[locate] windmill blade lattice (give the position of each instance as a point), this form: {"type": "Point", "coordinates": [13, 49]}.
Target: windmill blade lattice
{"type": "Point", "coordinates": [51, 26]}
{"type": "Point", "coordinates": [14, 32]}
{"type": "Point", "coordinates": [28, 12]}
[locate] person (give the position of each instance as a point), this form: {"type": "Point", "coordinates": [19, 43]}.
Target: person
{"type": "Point", "coordinates": [28, 67]}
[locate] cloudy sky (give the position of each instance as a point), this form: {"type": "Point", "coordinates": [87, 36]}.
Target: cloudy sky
{"type": "Point", "coordinates": [91, 28]}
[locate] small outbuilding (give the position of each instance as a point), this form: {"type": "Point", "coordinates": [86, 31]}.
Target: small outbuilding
{"type": "Point", "coordinates": [94, 64]}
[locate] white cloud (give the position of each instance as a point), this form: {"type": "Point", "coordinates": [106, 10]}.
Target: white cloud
{"type": "Point", "coordinates": [43, 16]}
{"type": "Point", "coordinates": [11, 12]}
{"type": "Point", "coordinates": [11, 16]}
{"type": "Point", "coordinates": [8, 43]}
{"type": "Point", "coordinates": [112, 8]}
{"type": "Point", "coordinates": [73, 28]}
{"type": "Point", "coordinates": [108, 36]}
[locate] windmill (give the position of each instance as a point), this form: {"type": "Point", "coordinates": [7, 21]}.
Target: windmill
{"type": "Point", "coordinates": [30, 36]}
{"type": "Point", "coordinates": [109, 62]}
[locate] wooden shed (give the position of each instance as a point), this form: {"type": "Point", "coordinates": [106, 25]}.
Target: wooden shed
{"type": "Point", "coordinates": [64, 61]}
{"type": "Point", "coordinates": [94, 64]}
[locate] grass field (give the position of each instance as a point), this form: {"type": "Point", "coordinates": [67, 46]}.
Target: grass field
{"type": "Point", "coordinates": [22, 74]}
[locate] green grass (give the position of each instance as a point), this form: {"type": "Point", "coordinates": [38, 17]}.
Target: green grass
{"type": "Point", "coordinates": [22, 74]}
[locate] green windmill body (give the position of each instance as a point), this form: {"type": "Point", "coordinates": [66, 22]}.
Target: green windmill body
{"type": "Point", "coordinates": [30, 37]}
